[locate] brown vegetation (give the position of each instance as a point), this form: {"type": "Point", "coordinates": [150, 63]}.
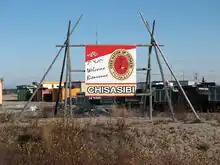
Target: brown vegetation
{"type": "Point", "coordinates": [108, 141]}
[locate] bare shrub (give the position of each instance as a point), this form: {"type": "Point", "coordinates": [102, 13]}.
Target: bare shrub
{"type": "Point", "coordinates": [45, 112]}
{"type": "Point", "coordinates": [203, 146]}
{"type": "Point", "coordinates": [161, 122]}
{"type": "Point", "coordinates": [211, 116]}
{"type": "Point", "coordinates": [119, 112]}
{"type": "Point", "coordinates": [124, 112]}
{"type": "Point", "coordinates": [6, 117]}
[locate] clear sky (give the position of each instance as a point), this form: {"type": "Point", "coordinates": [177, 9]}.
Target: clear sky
{"type": "Point", "coordinates": [30, 29]}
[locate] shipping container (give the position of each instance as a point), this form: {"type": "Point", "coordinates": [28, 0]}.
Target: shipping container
{"type": "Point", "coordinates": [39, 95]}
{"type": "Point", "coordinates": [24, 92]}
{"type": "Point", "coordinates": [54, 94]}
{"type": "Point", "coordinates": [75, 84]}
{"type": "Point", "coordinates": [74, 92]}
{"type": "Point", "coordinates": [62, 94]}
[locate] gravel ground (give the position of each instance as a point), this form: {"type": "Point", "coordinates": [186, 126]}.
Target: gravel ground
{"type": "Point", "coordinates": [165, 134]}
{"type": "Point", "coordinates": [10, 103]}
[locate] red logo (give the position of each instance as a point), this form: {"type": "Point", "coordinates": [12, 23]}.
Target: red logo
{"type": "Point", "coordinates": [121, 64]}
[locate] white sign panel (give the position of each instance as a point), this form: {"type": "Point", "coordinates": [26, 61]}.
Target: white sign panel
{"type": "Point", "coordinates": [110, 70]}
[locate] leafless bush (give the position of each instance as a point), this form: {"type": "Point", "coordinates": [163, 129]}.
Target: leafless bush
{"type": "Point", "coordinates": [184, 116]}
{"type": "Point", "coordinates": [6, 117]}
{"type": "Point", "coordinates": [45, 112]}
{"type": "Point", "coordinates": [211, 116]}
{"type": "Point", "coordinates": [124, 112]}
{"type": "Point", "coordinates": [119, 112]}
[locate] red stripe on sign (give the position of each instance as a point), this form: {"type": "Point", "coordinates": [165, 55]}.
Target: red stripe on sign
{"type": "Point", "coordinates": [95, 51]}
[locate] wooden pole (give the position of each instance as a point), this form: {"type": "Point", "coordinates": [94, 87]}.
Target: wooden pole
{"type": "Point", "coordinates": [49, 68]}
{"type": "Point", "coordinates": [61, 75]}
{"type": "Point", "coordinates": [70, 79]}
{"type": "Point", "coordinates": [165, 60]}
{"type": "Point", "coordinates": [148, 79]}
{"type": "Point", "coordinates": [164, 83]}
{"type": "Point", "coordinates": [67, 72]}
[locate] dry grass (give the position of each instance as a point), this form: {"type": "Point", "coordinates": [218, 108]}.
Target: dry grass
{"type": "Point", "coordinates": [117, 140]}
{"type": "Point", "coordinates": [6, 117]}
{"type": "Point", "coordinates": [110, 142]}
{"type": "Point", "coordinates": [124, 112]}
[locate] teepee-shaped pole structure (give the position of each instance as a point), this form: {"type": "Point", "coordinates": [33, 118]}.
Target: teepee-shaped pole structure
{"type": "Point", "coordinates": [157, 48]}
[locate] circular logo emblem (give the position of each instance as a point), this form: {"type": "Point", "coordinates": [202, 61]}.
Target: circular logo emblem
{"type": "Point", "coordinates": [121, 64]}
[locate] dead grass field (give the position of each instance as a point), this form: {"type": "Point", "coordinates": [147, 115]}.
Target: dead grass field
{"type": "Point", "coordinates": [123, 140]}
{"type": "Point", "coordinates": [116, 140]}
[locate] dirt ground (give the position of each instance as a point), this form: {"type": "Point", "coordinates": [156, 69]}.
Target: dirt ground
{"type": "Point", "coordinates": [11, 100]}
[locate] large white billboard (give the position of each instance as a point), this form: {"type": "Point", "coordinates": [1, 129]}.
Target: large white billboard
{"type": "Point", "coordinates": [110, 70]}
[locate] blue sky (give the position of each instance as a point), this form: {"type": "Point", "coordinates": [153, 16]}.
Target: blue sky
{"type": "Point", "coordinates": [30, 29]}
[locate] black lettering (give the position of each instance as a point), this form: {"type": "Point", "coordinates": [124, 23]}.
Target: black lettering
{"type": "Point", "coordinates": [94, 69]}
{"type": "Point", "coordinates": [106, 89]}
{"type": "Point", "coordinates": [98, 90]}
{"type": "Point", "coordinates": [120, 90]}
{"type": "Point", "coordinates": [90, 90]}
{"type": "Point", "coordinates": [95, 77]}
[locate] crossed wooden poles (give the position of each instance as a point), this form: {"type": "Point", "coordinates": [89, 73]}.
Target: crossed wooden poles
{"type": "Point", "coordinates": [148, 86]}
